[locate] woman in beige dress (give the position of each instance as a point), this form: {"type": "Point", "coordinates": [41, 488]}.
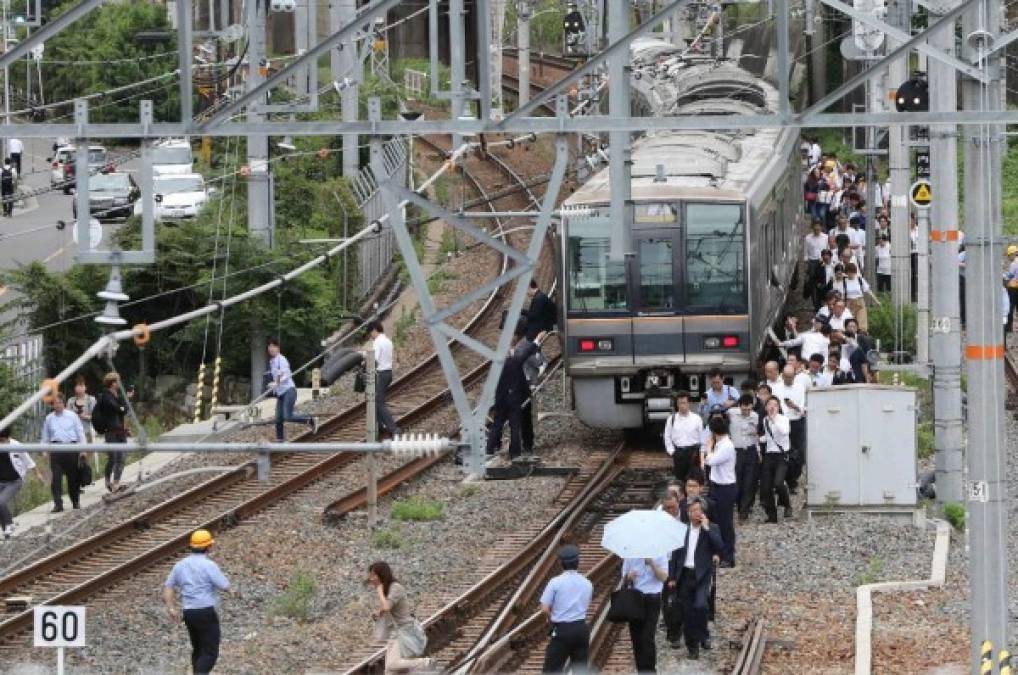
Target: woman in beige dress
{"type": "Point", "coordinates": [394, 622]}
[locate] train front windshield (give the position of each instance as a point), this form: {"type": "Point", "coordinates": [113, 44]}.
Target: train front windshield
{"type": "Point", "coordinates": [689, 260]}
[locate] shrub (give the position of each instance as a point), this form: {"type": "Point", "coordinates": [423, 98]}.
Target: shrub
{"type": "Point", "coordinates": [925, 438]}
{"type": "Point", "coordinates": [388, 538]}
{"type": "Point", "coordinates": [955, 514]}
{"type": "Point", "coordinates": [295, 601]}
{"type": "Point", "coordinates": [872, 573]}
{"type": "Point", "coordinates": [894, 327]}
{"type": "Point", "coordinates": [417, 508]}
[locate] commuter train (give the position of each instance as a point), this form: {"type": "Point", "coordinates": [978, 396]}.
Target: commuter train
{"type": "Point", "coordinates": [715, 235]}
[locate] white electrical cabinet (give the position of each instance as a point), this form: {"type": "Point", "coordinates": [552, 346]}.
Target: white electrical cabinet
{"type": "Point", "coordinates": [861, 454]}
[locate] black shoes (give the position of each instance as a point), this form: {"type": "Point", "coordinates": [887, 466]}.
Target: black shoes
{"type": "Point", "coordinates": [694, 653]}
{"type": "Point", "coordinates": [75, 506]}
{"type": "Point", "coordinates": [58, 509]}
{"type": "Point", "coordinates": [788, 512]}
{"type": "Point", "coordinates": [706, 644]}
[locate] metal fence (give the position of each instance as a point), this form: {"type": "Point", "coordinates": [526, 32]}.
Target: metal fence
{"type": "Point", "coordinates": [24, 357]}
{"type": "Point", "coordinates": [375, 253]}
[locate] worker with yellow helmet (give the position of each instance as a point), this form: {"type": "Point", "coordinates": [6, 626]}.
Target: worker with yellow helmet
{"type": "Point", "coordinates": [1012, 284]}
{"type": "Point", "coordinates": [199, 581]}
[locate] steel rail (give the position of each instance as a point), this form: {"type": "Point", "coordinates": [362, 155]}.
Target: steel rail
{"type": "Point", "coordinates": [754, 643]}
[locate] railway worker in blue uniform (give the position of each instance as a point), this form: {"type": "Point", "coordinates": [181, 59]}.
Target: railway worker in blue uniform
{"type": "Point", "coordinates": [565, 601]}
{"type": "Point", "coordinates": [199, 581]}
{"type": "Point", "coordinates": [682, 437]}
{"type": "Point", "coordinates": [510, 393]}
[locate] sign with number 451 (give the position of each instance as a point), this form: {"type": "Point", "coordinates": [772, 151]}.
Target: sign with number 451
{"type": "Point", "coordinates": [57, 626]}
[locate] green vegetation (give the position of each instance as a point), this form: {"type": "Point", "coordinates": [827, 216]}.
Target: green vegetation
{"type": "Point", "coordinates": [925, 439]}
{"type": "Point", "coordinates": [100, 53]}
{"type": "Point", "coordinates": [404, 324]}
{"type": "Point", "coordinates": [1009, 188]}
{"type": "Point", "coordinates": [295, 602]}
{"type": "Point", "coordinates": [545, 26]}
{"type": "Point", "coordinates": [417, 509]}
{"type": "Point", "coordinates": [469, 490]}
{"type": "Point", "coordinates": [954, 513]}
{"type": "Point", "coordinates": [924, 404]}
{"type": "Point", "coordinates": [872, 573]}
{"type": "Point", "coordinates": [833, 140]}
{"type": "Point", "coordinates": [388, 538]}
{"type": "Point", "coordinates": [438, 280]}
{"type": "Point", "coordinates": [449, 244]}
{"type": "Point", "coordinates": [895, 327]}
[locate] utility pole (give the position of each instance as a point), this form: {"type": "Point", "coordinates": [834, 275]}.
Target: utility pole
{"type": "Point", "coordinates": [898, 15]}
{"type": "Point", "coordinates": [345, 65]}
{"type": "Point", "coordinates": [986, 458]}
{"type": "Point", "coordinates": [457, 65]}
{"type": "Point", "coordinates": [259, 192]}
{"type": "Point", "coordinates": [523, 12]}
{"type": "Point", "coordinates": [945, 334]}
{"type": "Point", "coordinates": [619, 169]}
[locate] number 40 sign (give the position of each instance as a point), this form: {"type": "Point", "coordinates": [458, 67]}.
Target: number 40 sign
{"type": "Point", "coordinates": [59, 627]}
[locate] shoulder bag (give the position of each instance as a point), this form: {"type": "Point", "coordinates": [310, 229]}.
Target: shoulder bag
{"type": "Point", "coordinates": [767, 428]}
{"type": "Point", "coordinates": [626, 604]}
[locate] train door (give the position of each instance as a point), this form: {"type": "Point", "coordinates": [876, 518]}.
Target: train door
{"type": "Point", "coordinates": [656, 286]}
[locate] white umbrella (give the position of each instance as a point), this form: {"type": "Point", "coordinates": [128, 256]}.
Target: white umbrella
{"type": "Point", "coordinates": [643, 534]}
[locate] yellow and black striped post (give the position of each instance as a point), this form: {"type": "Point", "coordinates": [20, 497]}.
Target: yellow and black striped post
{"type": "Point", "coordinates": [199, 393]}
{"type": "Point", "coordinates": [1004, 662]}
{"type": "Point", "coordinates": [214, 401]}
{"type": "Point", "coordinates": [986, 660]}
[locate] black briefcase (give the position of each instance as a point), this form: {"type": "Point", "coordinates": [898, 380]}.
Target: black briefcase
{"type": "Point", "coordinates": [626, 605]}
{"type": "Point", "coordinates": [84, 472]}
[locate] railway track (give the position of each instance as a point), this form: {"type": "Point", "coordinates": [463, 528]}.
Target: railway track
{"type": "Point", "coordinates": [495, 626]}
{"type": "Point", "coordinates": [93, 565]}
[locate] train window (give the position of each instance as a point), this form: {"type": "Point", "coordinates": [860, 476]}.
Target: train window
{"type": "Point", "coordinates": [715, 257]}
{"type": "Point", "coordinates": [657, 289]}
{"type": "Point", "coordinates": [655, 213]}
{"type": "Point", "coordinates": [596, 284]}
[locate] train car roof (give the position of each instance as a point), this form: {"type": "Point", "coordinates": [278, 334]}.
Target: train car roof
{"type": "Point", "coordinates": [697, 164]}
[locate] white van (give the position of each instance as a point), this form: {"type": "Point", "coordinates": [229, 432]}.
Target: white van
{"type": "Point", "coordinates": [172, 157]}
{"type": "Point", "coordinates": [178, 196]}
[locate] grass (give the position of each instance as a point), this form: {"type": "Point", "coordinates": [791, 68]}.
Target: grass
{"type": "Point", "coordinates": [469, 490]}
{"type": "Point", "coordinates": [403, 326]}
{"type": "Point", "coordinates": [418, 508]}
{"type": "Point", "coordinates": [388, 538]}
{"type": "Point", "coordinates": [449, 243]}
{"type": "Point", "coordinates": [872, 573]}
{"type": "Point", "coordinates": [438, 280]}
{"type": "Point", "coordinates": [295, 601]}
{"type": "Point", "coordinates": [887, 322]}
{"type": "Point", "coordinates": [954, 513]}
{"type": "Point", "coordinates": [925, 438]}
{"type": "Point", "coordinates": [924, 403]}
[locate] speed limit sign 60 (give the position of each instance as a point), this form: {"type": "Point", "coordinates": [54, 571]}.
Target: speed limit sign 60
{"type": "Point", "coordinates": [57, 626]}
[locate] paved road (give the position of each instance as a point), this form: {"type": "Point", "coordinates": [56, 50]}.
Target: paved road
{"type": "Point", "coordinates": [31, 233]}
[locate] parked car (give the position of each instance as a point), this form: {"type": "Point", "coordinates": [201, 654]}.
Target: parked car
{"type": "Point", "coordinates": [62, 164]}
{"type": "Point", "coordinates": [178, 196]}
{"type": "Point", "coordinates": [172, 157]}
{"type": "Point", "coordinates": [110, 195]}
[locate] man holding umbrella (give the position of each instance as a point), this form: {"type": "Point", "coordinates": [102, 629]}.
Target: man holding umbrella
{"type": "Point", "coordinates": [691, 570]}
{"type": "Point", "coordinates": [644, 539]}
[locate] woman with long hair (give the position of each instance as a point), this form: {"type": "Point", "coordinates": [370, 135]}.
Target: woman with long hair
{"type": "Point", "coordinates": [394, 622]}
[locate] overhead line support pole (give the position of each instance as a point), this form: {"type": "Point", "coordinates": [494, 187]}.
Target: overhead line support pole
{"type": "Point", "coordinates": [900, 175]}
{"type": "Point", "coordinates": [185, 50]}
{"type": "Point", "coordinates": [987, 487]}
{"type": "Point", "coordinates": [619, 107]}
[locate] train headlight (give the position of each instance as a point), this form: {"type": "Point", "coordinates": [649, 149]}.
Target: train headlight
{"type": "Point", "coordinates": [721, 342]}
{"type": "Point", "coordinates": [596, 345]}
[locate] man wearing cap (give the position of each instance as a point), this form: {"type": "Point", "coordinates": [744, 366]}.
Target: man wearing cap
{"type": "Point", "coordinates": [565, 601]}
{"type": "Point", "coordinates": [199, 581]}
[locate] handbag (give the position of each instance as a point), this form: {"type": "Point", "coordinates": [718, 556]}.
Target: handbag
{"type": "Point", "coordinates": [360, 381]}
{"type": "Point", "coordinates": [268, 384]}
{"type": "Point", "coordinates": [626, 604]}
{"type": "Point", "coordinates": [412, 639]}
{"type": "Point", "coordinates": [84, 472]}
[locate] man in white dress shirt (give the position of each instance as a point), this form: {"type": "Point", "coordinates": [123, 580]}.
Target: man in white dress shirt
{"type": "Point", "coordinates": [792, 395]}
{"type": "Point", "coordinates": [682, 437]}
{"type": "Point", "coordinates": [382, 346]}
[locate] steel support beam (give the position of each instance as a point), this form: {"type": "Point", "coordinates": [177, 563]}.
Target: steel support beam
{"type": "Point", "coordinates": [901, 50]}
{"type": "Point", "coordinates": [898, 164]}
{"type": "Point", "coordinates": [783, 48]}
{"type": "Point", "coordinates": [897, 34]}
{"type": "Point", "coordinates": [185, 22]}
{"type": "Point", "coordinates": [620, 167]}
{"type": "Point", "coordinates": [52, 28]}
{"type": "Point", "coordinates": [367, 14]}
{"type": "Point", "coordinates": [592, 64]}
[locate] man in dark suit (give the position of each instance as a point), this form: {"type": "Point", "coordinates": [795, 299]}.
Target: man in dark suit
{"type": "Point", "coordinates": [510, 393]}
{"type": "Point", "coordinates": [690, 570]}
{"type": "Point", "coordinates": [542, 314]}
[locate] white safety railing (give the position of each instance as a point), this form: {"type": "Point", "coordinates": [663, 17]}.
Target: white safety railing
{"type": "Point", "coordinates": [375, 253]}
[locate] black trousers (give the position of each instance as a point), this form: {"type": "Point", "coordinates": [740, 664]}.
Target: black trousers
{"type": "Point", "coordinates": [797, 453]}
{"type": "Point", "coordinates": [203, 627]}
{"type": "Point", "coordinates": [505, 414]}
{"type": "Point", "coordinates": [883, 283]}
{"type": "Point", "coordinates": [747, 475]}
{"type": "Point", "coordinates": [772, 478]}
{"type": "Point", "coordinates": [64, 464]}
{"type": "Point", "coordinates": [694, 619]}
{"type": "Point", "coordinates": [16, 161]}
{"type": "Point", "coordinates": [1012, 295]}
{"type": "Point", "coordinates": [684, 459]}
{"type": "Point", "coordinates": [643, 634]}
{"type": "Point", "coordinates": [568, 643]}
{"type": "Point", "coordinates": [671, 610]}
{"type": "Point", "coordinates": [8, 199]}
{"type": "Point", "coordinates": [725, 497]}
{"type": "Point", "coordinates": [385, 420]}
{"type": "Point", "coordinates": [527, 425]}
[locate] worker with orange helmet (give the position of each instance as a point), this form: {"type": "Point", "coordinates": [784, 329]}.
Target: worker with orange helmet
{"type": "Point", "coordinates": [199, 581]}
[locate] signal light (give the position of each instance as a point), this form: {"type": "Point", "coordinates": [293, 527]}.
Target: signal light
{"type": "Point", "coordinates": [587, 345]}
{"type": "Point", "coordinates": [913, 95]}
{"type": "Point", "coordinates": [730, 341]}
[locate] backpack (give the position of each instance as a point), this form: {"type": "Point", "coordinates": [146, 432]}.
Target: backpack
{"type": "Point", "coordinates": [7, 180]}
{"type": "Point", "coordinates": [100, 417]}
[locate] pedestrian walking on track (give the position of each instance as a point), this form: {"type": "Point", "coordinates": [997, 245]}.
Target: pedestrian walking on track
{"type": "Point", "coordinates": [721, 458]}
{"type": "Point", "coordinates": [565, 601]}
{"type": "Point", "coordinates": [682, 437]}
{"type": "Point", "coordinates": [13, 467]}
{"type": "Point", "coordinates": [395, 623]}
{"type": "Point", "coordinates": [384, 358]}
{"type": "Point", "coordinates": [285, 391]}
{"type": "Point", "coordinates": [199, 582]}
{"type": "Point", "coordinates": [648, 576]}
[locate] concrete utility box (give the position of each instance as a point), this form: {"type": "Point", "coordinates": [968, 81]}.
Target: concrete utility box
{"type": "Point", "coordinates": [862, 449]}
